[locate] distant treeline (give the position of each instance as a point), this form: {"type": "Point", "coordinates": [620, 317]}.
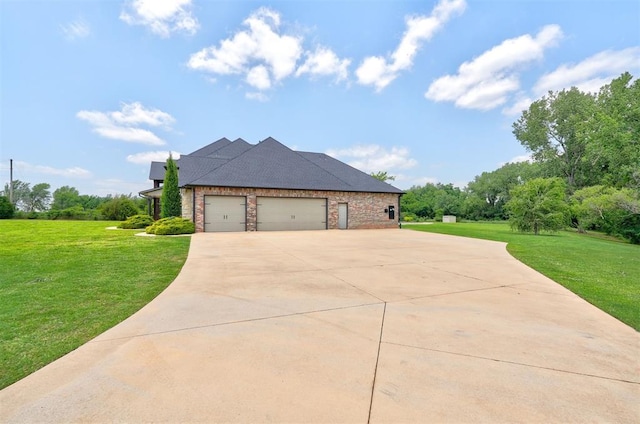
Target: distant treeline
{"type": "Point", "coordinates": [590, 141]}
{"type": "Point", "coordinates": [66, 202]}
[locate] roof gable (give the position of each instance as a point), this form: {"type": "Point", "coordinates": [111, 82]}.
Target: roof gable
{"type": "Point", "coordinates": [211, 148]}
{"type": "Point", "coordinates": [232, 150]}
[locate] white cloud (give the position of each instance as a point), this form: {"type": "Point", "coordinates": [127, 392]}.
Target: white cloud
{"type": "Point", "coordinates": [324, 62]}
{"type": "Point", "coordinates": [380, 72]}
{"type": "Point", "coordinates": [145, 158]}
{"type": "Point", "coordinates": [124, 124]}
{"type": "Point", "coordinates": [115, 186]}
{"type": "Point", "coordinates": [592, 73]}
{"type": "Point", "coordinates": [522, 103]}
{"type": "Point", "coordinates": [487, 81]}
{"type": "Point", "coordinates": [517, 159]}
{"type": "Point", "coordinates": [374, 158]}
{"type": "Point", "coordinates": [258, 77]}
{"type": "Point", "coordinates": [264, 55]}
{"type": "Point", "coordinates": [260, 52]}
{"type": "Point", "coordinates": [256, 95]}
{"type": "Point", "coordinates": [76, 29]}
{"type": "Point", "coordinates": [162, 17]}
{"type": "Point", "coordinates": [73, 172]}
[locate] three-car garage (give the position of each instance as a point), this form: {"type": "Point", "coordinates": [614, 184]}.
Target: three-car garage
{"type": "Point", "coordinates": [229, 213]}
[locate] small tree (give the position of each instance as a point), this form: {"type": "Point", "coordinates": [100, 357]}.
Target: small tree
{"type": "Point", "coordinates": [170, 203]}
{"type": "Point", "coordinates": [119, 208]}
{"type": "Point", "coordinates": [65, 197]}
{"type": "Point", "coordinates": [538, 205]}
{"type": "Point", "coordinates": [383, 176]}
{"type": "Point", "coordinates": [6, 208]}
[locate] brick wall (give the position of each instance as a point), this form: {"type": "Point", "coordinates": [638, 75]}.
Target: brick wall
{"type": "Point", "coordinates": [365, 210]}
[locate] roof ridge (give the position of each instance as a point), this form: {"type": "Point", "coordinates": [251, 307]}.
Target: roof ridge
{"type": "Point", "coordinates": [227, 162]}
{"type": "Point", "coordinates": [223, 139]}
{"type": "Point", "coordinates": [318, 166]}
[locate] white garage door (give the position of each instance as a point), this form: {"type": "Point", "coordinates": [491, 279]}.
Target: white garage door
{"type": "Point", "coordinates": [284, 213]}
{"type": "Point", "coordinates": [225, 213]}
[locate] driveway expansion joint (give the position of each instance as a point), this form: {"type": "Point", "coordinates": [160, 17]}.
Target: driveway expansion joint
{"type": "Point", "coordinates": [375, 371]}
{"type": "Point", "coordinates": [450, 293]}
{"type": "Point", "coordinates": [522, 364]}
{"type": "Point", "coordinates": [220, 324]}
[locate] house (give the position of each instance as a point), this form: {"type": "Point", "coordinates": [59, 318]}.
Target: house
{"type": "Point", "coordinates": [237, 186]}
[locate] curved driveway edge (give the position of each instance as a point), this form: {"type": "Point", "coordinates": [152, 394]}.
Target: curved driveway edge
{"type": "Point", "coordinates": [347, 326]}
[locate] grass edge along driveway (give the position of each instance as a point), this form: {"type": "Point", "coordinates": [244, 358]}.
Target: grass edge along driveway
{"type": "Point", "coordinates": [64, 282]}
{"type": "Point", "coordinates": [602, 271]}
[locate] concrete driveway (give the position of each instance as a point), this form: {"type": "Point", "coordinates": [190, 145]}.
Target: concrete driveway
{"type": "Point", "coordinates": [347, 326]}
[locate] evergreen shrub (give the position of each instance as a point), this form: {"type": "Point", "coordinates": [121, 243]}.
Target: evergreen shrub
{"type": "Point", "coordinates": [136, 222]}
{"type": "Point", "coordinates": [171, 226]}
{"type": "Point", "coordinates": [6, 208]}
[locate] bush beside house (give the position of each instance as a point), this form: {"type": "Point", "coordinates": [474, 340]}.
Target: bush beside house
{"type": "Point", "coordinates": [136, 222]}
{"type": "Point", "coordinates": [171, 226]}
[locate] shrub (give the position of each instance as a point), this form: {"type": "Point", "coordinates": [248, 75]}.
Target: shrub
{"type": "Point", "coordinates": [6, 208]}
{"type": "Point", "coordinates": [74, 212]}
{"type": "Point", "coordinates": [119, 208]}
{"type": "Point", "coordinates": [171, 226]}
{"type": "Point", "coordinates": [136, 222]}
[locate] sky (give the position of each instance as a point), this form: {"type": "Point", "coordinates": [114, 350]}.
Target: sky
{"type": "Point", "coordinates": [92, 91]}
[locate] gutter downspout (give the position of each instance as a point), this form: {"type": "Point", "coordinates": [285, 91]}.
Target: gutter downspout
{"type": "Point", "coordinates": [193, 206]}
{"type": "Point", "coordinates": [399, 211]}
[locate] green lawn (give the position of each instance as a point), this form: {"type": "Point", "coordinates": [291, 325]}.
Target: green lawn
{"type": "Point", "coordinates": [64, 282]}
{"type": "Point", "coordinates": [603, 271]}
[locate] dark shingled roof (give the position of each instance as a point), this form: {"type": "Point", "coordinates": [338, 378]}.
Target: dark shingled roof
{"type": "Point", "coordinates": [211, 148]}
{"type": "Point", "coordinates": [157, 171]}
{"type": "Point", "coordinates": [269, 164]}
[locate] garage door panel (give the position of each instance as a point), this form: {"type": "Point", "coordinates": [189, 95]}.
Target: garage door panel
{"type": "Point", "coordinates": [225, 213]}
{"type": "Point", "coordinates": [291, 214]}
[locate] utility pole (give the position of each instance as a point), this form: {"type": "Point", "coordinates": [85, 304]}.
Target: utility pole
{"type": "Point", "coordinates": [11, 181]}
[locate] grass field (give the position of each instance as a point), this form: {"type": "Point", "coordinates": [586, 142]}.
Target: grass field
{"type": "Point", "coordinates": [64, 282]}
{"type": "Point", "coordinates": [601, 270]}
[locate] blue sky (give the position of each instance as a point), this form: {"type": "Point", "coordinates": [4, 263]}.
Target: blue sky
{"type": "Point", "coordinates": [92, 91]}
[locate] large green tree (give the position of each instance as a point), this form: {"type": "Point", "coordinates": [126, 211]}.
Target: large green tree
{"type": "Point", "coordinates": [65, 197]}
{"type": "Point", "coordinates": [21, 192]}
{"type": "Point", "coordinates": [433, 200]}
{"type": "Point", "coordinates": [27, 198]}
{"type": "Point", "coordinates": [538, 205]}
{"type": "Point", "coordinates": [612, 210]}
{"type": "Point", "coordinates": [170, 202]}
{"type": "Point", "coordinates": [489, 192]}
{"type": "Point", "coordinates": [613, 148]}
{"type": "Point", "coordinates": [554, 129]}
{"type": "Point", "coordinates": [39, 198]}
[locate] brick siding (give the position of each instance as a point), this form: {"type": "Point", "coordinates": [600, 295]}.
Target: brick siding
{"type": "Point", "coordinates": [365, 210]}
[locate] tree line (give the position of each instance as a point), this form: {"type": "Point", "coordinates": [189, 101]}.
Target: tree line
{"type": "Point", "coordinates": [66, 202]}
{"type": "Point", "coordinates": [584, 170]}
